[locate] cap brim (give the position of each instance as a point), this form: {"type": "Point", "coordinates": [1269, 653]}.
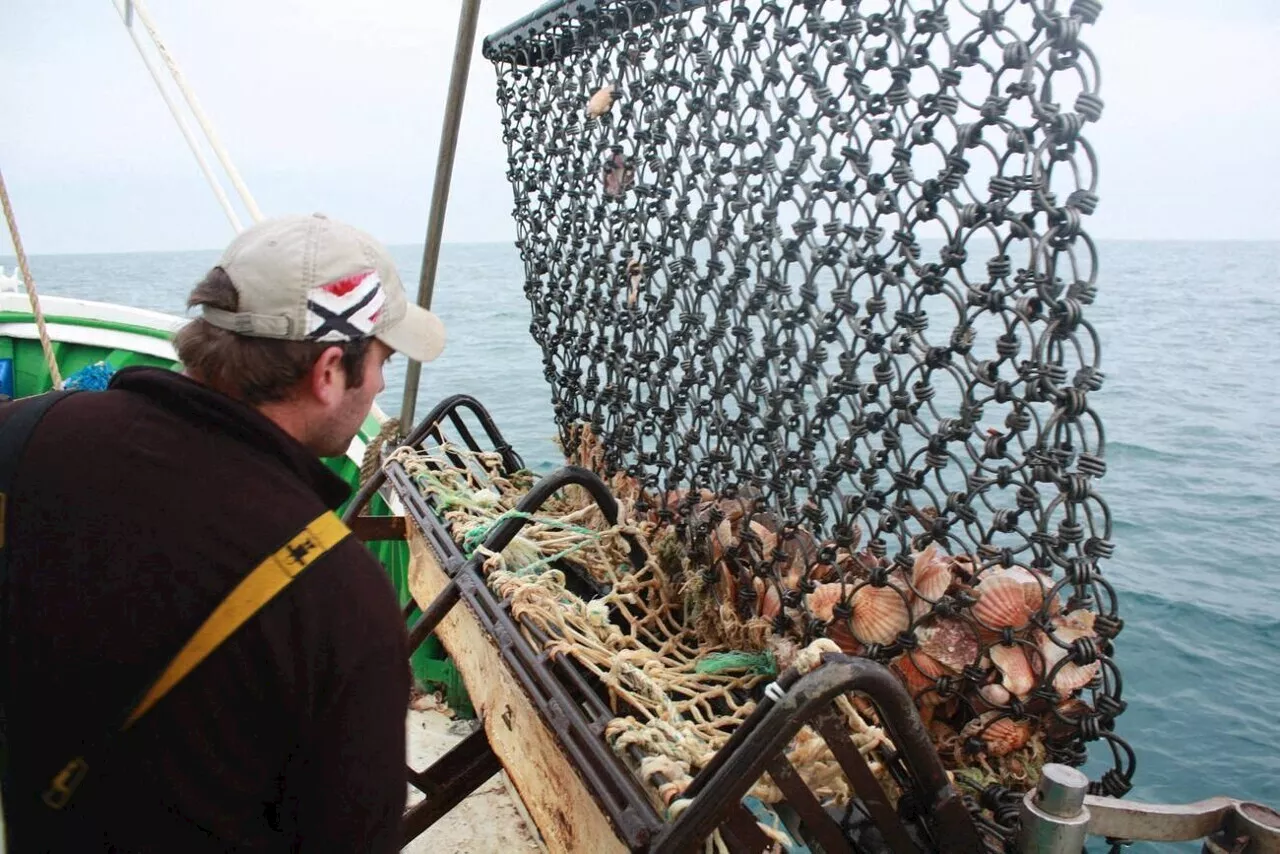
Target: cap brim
{"type": "Point", "coordinates": [419, 335]}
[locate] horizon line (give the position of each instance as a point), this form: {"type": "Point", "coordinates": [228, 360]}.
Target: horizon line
{"type": "Point", "coordinates": [1167, 240]}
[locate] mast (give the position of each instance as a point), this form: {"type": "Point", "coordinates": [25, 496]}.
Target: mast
{"type": "Point", "coordinates": [440, 192]}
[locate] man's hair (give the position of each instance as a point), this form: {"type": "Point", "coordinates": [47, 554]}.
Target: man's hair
{"type": "Point", "coordinates": [257, 370]}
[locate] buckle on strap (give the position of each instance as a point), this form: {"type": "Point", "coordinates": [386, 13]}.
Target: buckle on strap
{"type": "Point", "coordinates": [65, 783]}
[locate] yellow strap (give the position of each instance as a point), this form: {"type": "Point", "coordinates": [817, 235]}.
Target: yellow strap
{"type": "Point", "coordinates": [256, 590]}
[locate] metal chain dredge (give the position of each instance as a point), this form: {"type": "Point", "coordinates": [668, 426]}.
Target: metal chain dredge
{"type": "Point", "coordinates": [828, 259]}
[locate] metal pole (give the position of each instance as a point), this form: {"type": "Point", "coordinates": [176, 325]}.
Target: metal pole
{"type": "Point", "coordinates": [440, 192]}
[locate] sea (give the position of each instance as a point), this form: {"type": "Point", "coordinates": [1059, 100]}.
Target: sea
{"type": "Point", "coordinates": [1190, 344]}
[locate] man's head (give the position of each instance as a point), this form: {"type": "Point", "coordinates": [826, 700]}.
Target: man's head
{"type": "Point", "coordinates": [297, 320]}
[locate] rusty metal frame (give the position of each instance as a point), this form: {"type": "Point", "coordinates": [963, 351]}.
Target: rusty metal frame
{"type": "Point", "coordinates": [566, 701]}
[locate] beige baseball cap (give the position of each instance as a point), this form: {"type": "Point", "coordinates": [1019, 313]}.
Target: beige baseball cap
{"type": "Point", "coordinates": [311, 278]}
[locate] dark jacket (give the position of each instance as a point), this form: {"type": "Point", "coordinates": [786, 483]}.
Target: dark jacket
{"type": "Point", "coordinates": [134, 511]}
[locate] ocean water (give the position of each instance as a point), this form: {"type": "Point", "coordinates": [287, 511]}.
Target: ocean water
{"type": "Point", "coordinates": [1190, 338]}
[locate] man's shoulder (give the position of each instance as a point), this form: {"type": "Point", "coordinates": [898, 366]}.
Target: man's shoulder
{"type": "Point", "coordinates": [354, 591]}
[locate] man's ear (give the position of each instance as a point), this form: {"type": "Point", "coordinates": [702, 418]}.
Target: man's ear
{"type": "Point", "coordinates": [327, 379]}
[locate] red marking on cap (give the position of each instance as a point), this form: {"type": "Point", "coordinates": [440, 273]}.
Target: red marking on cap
{"type": "Point", "coordinates": [342, 287]}
{"type": "Point", "coordinates": [373, 318]}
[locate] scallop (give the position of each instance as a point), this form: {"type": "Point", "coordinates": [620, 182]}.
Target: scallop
{"type": "Point", "coordinates": [995, 694]}
{"type": "Point", "coordinates": [768, 540]}
{"type": "Point", "coordinates": [723, 540]}
{"type": "Point", "coordinates": [880, 614]}
{"type": "Point", "coordinates": [912, 671]}
{"type": "Point", "coordinates": [1015, 669]}
{"type": "Point", "coordinates": [1001, 735]}
{"type": "Point", "coordinates": [635, 275]}
{"type": "Point", "coordinates": [1002, 602]}
{"type": "Point", "coordinates": [930, 578]}
{"type": "Point", "coordinates": [601, 102]}
{"type": "Point", "coordinates": [1034, 585]}
{"type": "Point", "coordinates": [928, 665]}
{"type": "Point", "coordinates": [1064, 723]}
{"type": "Point", "coordinates": [1068, 629]}
{"type": "Point", "coordinates": [950, 642]}
{"type": "Point", "coordinates": [822, 601]}
{"type": "Point", "coordinates": [768, 601]}
{"type": "Point", "coordinates": [840, 633]}
{"type": "Point", "coordinates": [931, 574]}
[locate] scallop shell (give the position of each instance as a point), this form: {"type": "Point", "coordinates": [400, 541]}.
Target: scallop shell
{"type": "Point", "coordinates": [800, 551]}
{"type": "Point", "coordinates": [931, 574]}
{"type": "Point", "coordinates": [1002, 602]}
{"type": "Point", "coordinates": [601, 102]}
{"type": "Point", "coordinates": [1073, 710]}
{"type": "Point", "coordinates": [995, 694]}
{"type": "Point", "coordinates": [1014, 667]}
{"type": "Point", "coordinates": [917, 680]}
{"type": "Point", "coordinates": [821, 572]}
{"type": "Point", "coordinates": [794, 575]}
{"type": "Point", "coordinates": [728, 585]}
{"type": "Point", "coordinates": [1080, 620]}
{"type": "Point", "coordinates": [1068, 629]}
{"type": "Point", "coordinates": [928, 665]}
{"type": "Point", "coordinates": [823, 599]}
{"type": "Point", "coordinates": [723, 540]}
{"type": "Point", "coordinates": [930, 579]}
{"type": "Point", "coordinates": [768, 601]}
{"type": "Point", "coordinates": [949, 641]}
{"type": "Point", "coordinates": [768, 540]}
{"type": "Point", "coordinates": [635, 275]}
{"type": "Point", "coordinates": [840, 632]}
{"type": "Point", "coordinates": [1034, 585]}
{"type": "Point", "coordinates": [1001, 735]}
{"type": "Point", "coordinates": [963, 567]}
{"type": "Point", "coordinates": [879, 614]}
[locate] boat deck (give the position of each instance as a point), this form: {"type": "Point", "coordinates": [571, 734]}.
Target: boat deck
{"type": "Point", "coordinates": [492, 819]}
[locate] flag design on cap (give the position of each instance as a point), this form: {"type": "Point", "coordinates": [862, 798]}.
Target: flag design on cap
{"type": "Point", "coordinates": [346, 309]}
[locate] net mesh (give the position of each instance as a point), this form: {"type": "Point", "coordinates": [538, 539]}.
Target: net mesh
{"type": "Point", "coordinates": [812, 278]}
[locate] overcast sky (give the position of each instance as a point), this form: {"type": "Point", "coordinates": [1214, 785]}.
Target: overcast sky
{"type": "Point", "coordinates": [336, 105]}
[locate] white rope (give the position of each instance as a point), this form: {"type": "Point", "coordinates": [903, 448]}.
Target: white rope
{"type": "Point", "coordinates": [46, 345]}
{"type": "Point", "coordinates": [182, 123]}
{"type": "Point", "coordinates": [201, 118]}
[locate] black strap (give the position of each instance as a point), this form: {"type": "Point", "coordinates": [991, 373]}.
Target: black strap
{"type": "Point", "coordinates": [14, 435]}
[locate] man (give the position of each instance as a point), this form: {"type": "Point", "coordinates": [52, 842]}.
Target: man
{"type": "Point", "coordinates": [134, 512]}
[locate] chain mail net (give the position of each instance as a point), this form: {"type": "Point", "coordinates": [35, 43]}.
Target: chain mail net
{"type": "Point", "coordinates": [810, 282]}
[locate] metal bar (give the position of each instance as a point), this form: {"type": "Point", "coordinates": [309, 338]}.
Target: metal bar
{"type": "Point", "coordinates": [834, 732]}
{"type": "Point", "coordinates": [1156, 822]}
{"type": "Point", "coordinates": [801, 799]}
{"type": "Point", "coordinates": [369, 529]}
{"type": "Point", "coordinates": [759, 714]}
{"type": "Point", "coordinates": [812, 692]}
{"type": "Point", "coordinates": [444, 175]}
{"type": "Point", "coordinates": [448, 781]}
{"type": "Point", "coordinates": [434, 613]}
{"type": "Point", "coordinates": [568, 27]}
{"type": "Point", "coordinates": [742, 832]}
{"type": "Point", "coordinates": [429, 423]}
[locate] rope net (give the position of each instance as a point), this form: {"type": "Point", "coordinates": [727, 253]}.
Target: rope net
{"type": "Point", "coordinates": [810, 281]}
{"type": "Point", "coordinates": [678, 696]}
